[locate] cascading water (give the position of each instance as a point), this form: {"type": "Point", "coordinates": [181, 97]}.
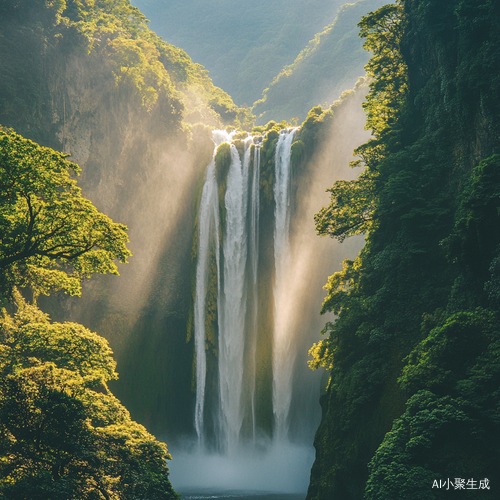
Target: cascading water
{"type": "Point", "coordinates": [208, 221]}
{"type": "Point", "coordinates": [232, 309]}
{"type": "Point", "coordinates": [253, 252]}
{"type": "Point", "coordinates": [283, 354]}
{"type": "Point", "coordinates": [238, 292]}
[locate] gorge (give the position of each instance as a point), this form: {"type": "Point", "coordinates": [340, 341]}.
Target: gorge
{"type": "Point", "coordinates": [213, 316]}
{"type": "Point", "coordinates": [254, 403]}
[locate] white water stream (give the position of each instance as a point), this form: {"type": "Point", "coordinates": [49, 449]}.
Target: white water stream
{"type": "Point", "coordinates": [253, 252]}
{"type": "Point", "coordinates": [237, 303]}
{"type": "Point", "coordinates": [208, 222]}
{"type": "Point", "coordinates": [283, 352]}
{"type": "Point", "coordinates": [232, 311]}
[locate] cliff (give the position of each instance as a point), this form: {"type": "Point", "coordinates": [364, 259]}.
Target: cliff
{"type": "Point", "coordinates": [413, 352]}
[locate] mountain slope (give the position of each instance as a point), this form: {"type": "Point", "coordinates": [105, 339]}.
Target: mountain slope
{"type": "Point", "coordinates": [331, 63]}
{"type": "Point", "coordinates": [241, 43]}
{"type": "Point", "coordinates": [414, 354]}
{"type": "Point", "coordinates": [114, 51]}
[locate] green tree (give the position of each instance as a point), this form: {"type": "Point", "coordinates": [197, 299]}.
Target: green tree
{"type": "Point", "coordinates": [350, 211]}
{"type": "Point", "coordinates": [51, 236]}
{"type": "Point", "coordinates": [62, 433]}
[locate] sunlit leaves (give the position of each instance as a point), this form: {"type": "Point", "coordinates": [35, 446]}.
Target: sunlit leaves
{"type": "Point", "coordinates": [342, 289]}
{"type": "Point", "coordinates": [136, 65]}
{"type": "Point", "coordinates": [350, 211]}
{"type": "Point", "coordinates": [148, 67]}
{"type": "Point", "coordinates": [29, 335]}
{"type": "Point", "coordinates": [51, 237]}
{"type": "Point", "coordinates": [383, 30]}
{"type": "Point", "coordinates": [354, 204]}
{"type": "Point", "coordinates": [59, 438]}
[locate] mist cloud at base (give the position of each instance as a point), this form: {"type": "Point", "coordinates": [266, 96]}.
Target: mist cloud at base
{"type": "Point", "coordinates": [283, 468]}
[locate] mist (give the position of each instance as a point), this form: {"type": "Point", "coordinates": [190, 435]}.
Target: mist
{"type": "Point", "coordinates": [314, 258]}
{"type": "Point", "coordinates": [283, 468]}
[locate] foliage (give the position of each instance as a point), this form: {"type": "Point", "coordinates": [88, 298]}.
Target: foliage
{"type": "Point", "coordinates": [472, 242]}
{"type": "Point", "coordinates": [383, 31]}
{"type": "Point", "coordinates": [417, 311]}
{"type": "Point", "coordinates": [350, 212]}
{"type": "Point", "coordinates": [444, 356]}
{"type": "Point", "coordinates": [454, 375]}
{"type": "Point", "coordinates": [267, 162]}
{"type": "Point", "coordinates": [353, 203]}
{"type": "Point", "coordinates": [52, 237]}
{"type": "Point", "coordinates": [412, 457]}
{"type": "Point", "coordinates": [63, 434]}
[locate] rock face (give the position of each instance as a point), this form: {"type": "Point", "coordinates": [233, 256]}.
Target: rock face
{"type": "Point", "coordinates": [421, 280]}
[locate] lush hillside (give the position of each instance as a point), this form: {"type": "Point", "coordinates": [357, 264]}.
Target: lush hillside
{"type": "Point", "coordinates": [414, 355]}
{"type": "Point", "coordinates": [97, 48]}
{"type": "Point", "coordinates": [331, 63]}
{"type": "Point", "coordinates": [242, 44]}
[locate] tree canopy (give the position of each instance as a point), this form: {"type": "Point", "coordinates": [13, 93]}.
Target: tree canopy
{"type": "Point", "coordinates": [51, 236]}
{"type": "Point", "coordinates": [62, 433]}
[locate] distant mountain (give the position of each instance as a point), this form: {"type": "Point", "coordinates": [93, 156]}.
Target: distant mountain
{"type": "Point", "coordinates": [331, 63]}
{"type": "Point", "coordinates": [242, 44]}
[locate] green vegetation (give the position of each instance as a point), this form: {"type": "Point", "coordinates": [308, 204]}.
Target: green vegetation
{"type": "Point", "coordinates": [52, 237]}
{"type": "Point", "coordinates": [37, 39]}
{"type": "Point", "coordinates": [62, 433]}
{"type": "Point", "coordinates": [415, 345]}
{"type": "Point", "coordinates": [330, 63]}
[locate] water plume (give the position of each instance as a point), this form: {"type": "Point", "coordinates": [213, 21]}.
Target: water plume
{"type": "Point", "coordinates": [233, 300]}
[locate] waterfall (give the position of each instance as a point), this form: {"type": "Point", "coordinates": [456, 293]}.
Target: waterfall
{"type": "Point", "coordinates": [208, 222]}
{"type": "Point", "coordinates": [283, 355]}
{"type": "Point", "coordinates": [237, 287]}
{"type": "Point", "coordinates": [253, 252]}
{"type": "Point", "coordinates": [256, 401]}
{"type": "Point", "coordinates": [233, 299]}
